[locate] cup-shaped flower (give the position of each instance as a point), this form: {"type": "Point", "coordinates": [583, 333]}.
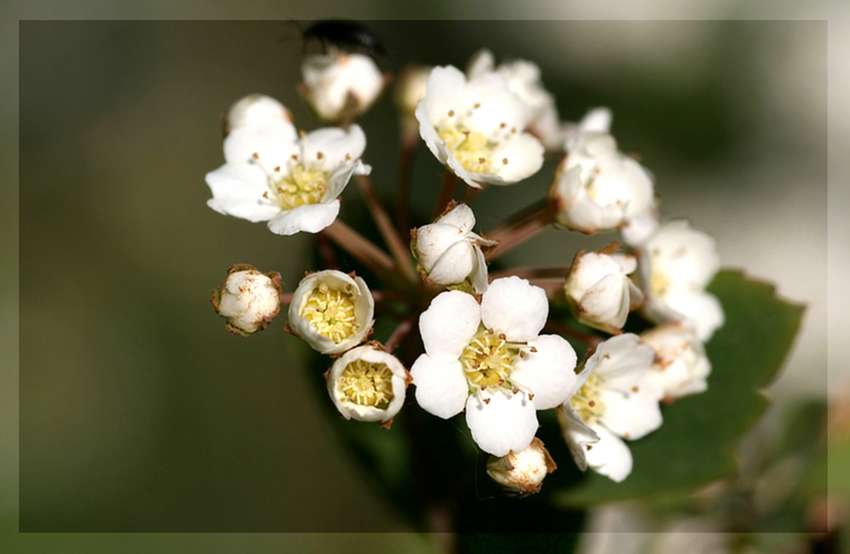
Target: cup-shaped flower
{"type": "Point", "coordinates": [598, 188]}
{"type": "Point", "coordinates": [340, 85]}
{"type": "Point", "coordinates": [259, 111]}
{"type": "Point", "coordinates": [476, 128]}
{"type": "Point", "coordinates": [681, 366]}
{"type": "Point", "coordinates": [292, 183]}
{"type": "Point", "coordinates": [248, 299]}
{"type": "Point", "coordinates": [618, 397]}
{"type": "Point", "coordinates": [367, 384]}
{"type": "Point", "coordinates": [332, 311]}
{"type": "Point", "coordinates": [599, 290]}
{"type": "Point", "coordinates": [524, 80]}
{"type": "Point", "coordinates": [490, 360]}
{"type": "Point", "coordinates": [676, 264]}
{"type": "Point", "coordinates": [522, 473]}
{"type": "Point", "coordinates": [449, 253]}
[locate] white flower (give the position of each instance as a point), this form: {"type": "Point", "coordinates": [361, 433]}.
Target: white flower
{"type": "Point", "coordinates": [367, 384]}
{"type": "Point", "coordinates": [449, 252]}
{"type": "Point", "coordinates": [598, 188]}
{"type": "Point", "coordinates": [476, 128]}
{"type": "Point", "coordinates": [410, 88]}
{"type": "Point", "coordinates": [258, 110]}
{"type": "Point", "coordinates": [681, 366]}
{"type": "Point", "coordinates": [293, 183]}
{"type": "Point", "coordinates": [600, 291]}
{"type": "Point", "coordinates": [522, 473]}
{"type": "Point", "coordinates": [340, 85]}
{"type": "Point", "coordinates": [677, 263]}
{"type": "Point", "coordinates": [618, 398]}
{"type": "Point", "coordinates": [596, 120]}
{"type": "Point", "coordinates": [490, 359]}
{"type": "Point", "coordinates": [332, 311]}
{"type": "Point", "coordinates": [248, 299]}
{"type": "Point", "coordinates": [524, 79]}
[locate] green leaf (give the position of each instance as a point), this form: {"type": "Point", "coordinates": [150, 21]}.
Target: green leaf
{"type": "Point", "coordinates": [696, 442]}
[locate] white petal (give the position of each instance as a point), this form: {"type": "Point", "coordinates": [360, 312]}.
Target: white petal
{"type": "Point", "coordinates": [482, 62]}
{"type": "Point", "coordinates": [479, 276]}
{"type": "Point", "coordinates": [607, 301]}
{"type": "Point", "coordinates": [702, 310]}
{"type": "Point", "coordinates": [505, 423]}
{"type": "Point", "coordinates": [339, 179]}
{"type": "Point", "coordinates": [455, 265]}
{"type": "Point", "coordinates": [441, 388]}
{"type": "Point", "coordinates": [432, 241]}
{"type": "Point", "coordinates": [621, 357]}
{"type": "Point", "coordinates": [429, 134]}
{"type": "Point", "coordinates": [335, 145]}
{"type": "Point", "coordinates": [272, 145]}
{"type": "Point", "coordinates": [525, 158]}
{"type": "Point", "coordinates": [577, 435]}
{"type": "Point", "coordinates": [311, 218]}
{"type": "Point", "coordinates": [634, 412]}
{"type": "Point", "coordinates": [444, 93]}
{"type": "Point", "coordinates": [514, 307]}
{"type": "Point", "coordinates": [461, 217]}
{"type": "Point", "coordinates": [238, 191]}
{"type": "Point", "coordinates": [449, 324]}
{"type": "Point", "coordinates": [610, 456]}
{"type": "Point", "coordinates": [548, 373]}
{"type": "Point", "coordinates": [596, 120]}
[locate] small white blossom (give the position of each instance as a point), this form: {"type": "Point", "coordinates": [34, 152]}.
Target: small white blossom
{"type": "Point", "coordinates": [681, 366]}
{"type": "Point", "coordinates": [490, 360]}
{"type": "Point", "coordinates": [248, 299]}
{"type": "Point", "coordinates": [340, 85]}
{"type": "Point", "coordinates": [522, 473]}
{"type": "Point", "coordinates": [332, 311]}
{"type": "Point", "coordinates": [596, 120]}
{"type": "Point", "coordinates": [449, 252]}
{"type": "Point", "coordinates": [292, 183]}
{"type": "Point", "coordinates": [367, 384]}
{"type": "Point", "coordinates": [599, 289]}
{"type": "Point", "coordinates": [618, 398]}
{"type": "Point", "coordinates": [524, 79]}
{"type": "Point", "coordinates": [598, 188]}
{"type": "Point", "coordinates": [476, 128]}
{"type": "Point", "coordinates": [677, 263]}
{"type": "Point", "coordinates": [257, 110]}
{"type": "Point", "coordinates": [410, 88]}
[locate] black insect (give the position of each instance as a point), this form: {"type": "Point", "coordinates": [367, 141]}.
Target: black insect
{"type": "Point", "coordinates": [345, 35]}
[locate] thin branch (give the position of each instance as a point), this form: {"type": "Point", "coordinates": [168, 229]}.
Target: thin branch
{"type": "Point", "coordinates": [586, 338]}
{"type": "Point", "coordinates": [472, 193]}
{"type": "Point", "coordinates": [398, 247]}
{"type": "Point", "coordinates": [400, 332]}
{"type": "Point", "coordinates": [362, 249]}
{"type": "Point", "coordinates": [534, 273]}
{"type": "Point", "coordinates": [548, 284]}
{"type": "Point", "coordinates": [405, 174]}
{"type": "Point", "coordinates": [520, 227]}
{"type": "Point", "coordinates": [286, 299]}
{"type": "Point", "coordinates": [447, 193]}
{"type": "Point", "coordinates": [326, 251]}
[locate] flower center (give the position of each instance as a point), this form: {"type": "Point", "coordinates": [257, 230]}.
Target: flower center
{"type": "Point", "coordinates": [302, 186]}
{"type": "Point", "coordinates": [488, 359]}
{"type": "Point", "coordinates": [586, 401]}
{"type": "Point", "coordinates": [367, 384]}
{"type": "Point", "coordinates": [469, 147]}
{"type": "Point", "coordinates": [659, 283]}
{"type": "Point", "coordinates": [331, 312]}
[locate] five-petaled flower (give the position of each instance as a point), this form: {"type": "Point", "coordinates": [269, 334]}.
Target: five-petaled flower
{"type": "Point", "coordinates": [293, 183]}
{"type": "Point", "coordinates": [490, 359]}
{"type": "Point", "coordinates": [476, 128]}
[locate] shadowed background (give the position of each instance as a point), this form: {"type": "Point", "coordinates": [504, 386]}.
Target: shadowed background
{"type": "Point", "coordinates": [140, 413]}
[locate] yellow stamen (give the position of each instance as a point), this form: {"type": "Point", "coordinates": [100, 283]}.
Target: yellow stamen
{"type": "Point", "coordinates": [367, 384]}
{"type": "Point", "coordinates": [331, 312]}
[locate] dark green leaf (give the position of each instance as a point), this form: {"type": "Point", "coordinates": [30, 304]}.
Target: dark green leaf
{"type": "Point", "coordinates": [696, 442]}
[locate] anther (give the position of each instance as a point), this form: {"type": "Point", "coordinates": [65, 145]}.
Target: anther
{"type": "Point", "coordinates": [515, 390]}
{"type": "Point", "coordinates": [451, 113]}
{"type": "Point", "coordinates": [255, 156]}
{"type": "Point", "coordinates": [295, 157]}
{"type": "Point", "coordinates": [502, 125]}
{"type": "Point", "coordinates": [348, 157]}
{"type": "Point", "coordinates": [320, 155]}
{"type": "Point", "coordinates": [533, 350]}
{"type": "Point", "coordinates": [266, 195]}
{"type": "Point", "coordinates": [592, 403]}
{"type": "Point", "coordinates": [634, 389]}
{"type": "Point", "coordinates": [589, 447]}
{"type": "Point", "coordinates": [505, 161]}
{"type": "Point", "coordinates": [277, 168]}
{"type": "Point", "coordinates": [486, 400]}
{"type": "Point", "coordinates": [502, 336]}
{"type": "Point", "coordinates": [477, 105]}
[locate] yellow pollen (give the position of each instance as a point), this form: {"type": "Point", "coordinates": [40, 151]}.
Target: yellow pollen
{"type": "Point", "coordinates": [367, 384]}
{"type": "Point", "coordinates": [488, 359]}
{"type": "Point", "coordinates": [331, 313]}
{"type": "Point", "coordinates": [586, 401]}
{"type": "Point", "coordinates": [302, 186]}
{"type": "Point", "coordinates": [658, 283]}
{"type": "Point", "coordinates": [470, 148]}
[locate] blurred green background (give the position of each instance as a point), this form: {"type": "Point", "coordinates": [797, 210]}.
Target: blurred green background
{"type": "Point", "coordinates": [138, 412]}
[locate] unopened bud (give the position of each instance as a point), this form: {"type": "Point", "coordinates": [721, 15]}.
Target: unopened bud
{"type": "Point", "coordinates": [410, 88]}
{"type": "Point", "coordinates": [599, 290]}
{"type": "Point", "coordinates": [522, 473]}
{"type": "Point", "coordinates": [340, 85]}
{"type": "Point", "coordinates": [248, 299]}
{"type": "Point", "coordinates": [258, 111]}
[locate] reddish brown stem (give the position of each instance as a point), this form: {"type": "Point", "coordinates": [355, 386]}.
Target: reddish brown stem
{"type": "Point", "coordinates": [520, 227]}
{"type": "Point", "coordinates": [548, 284]}
{"type": "Point", "coordinates": [362, 249]}
{"type": "Point", "coordinates": [398, 247]}
{"type": "Point", "coordinates": [447, 193]}
{"type": "Point", "coordinates": [286, 299]}
{"type": "Point", "coordinates": [586, 338]}
{"type": "Point", "coordinates": [400, 332]}
{"type": "Point", "coordinates": [405, 174]}
{"type": "Point", "coordinates": [535, 273]}
{"type": "Point", "coordinates": [472, 193]}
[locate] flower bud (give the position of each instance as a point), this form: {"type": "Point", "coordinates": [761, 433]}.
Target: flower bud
{"type": "Point", "coordinates": [332, 311]}
{"type": "Point", "coordinates": [449, 252]}
{"type": "Point", "coordinates": [599, 290]}
{"type": "Point", "coordinates": [598, 188]}
{"type": "Point", "coordinates": [368, 384]}
{"type": "Point", "coordinates": [340, 85]}
{"type": "Point", "coordinates": [522, 473]}
{"type": "Point", "coordinates": [409, 90]}
{"type": "Point", "coordinates": [248, 299]}
{"type": "Point", "coordinates": [681, 366]}
{"type": "Point", "coordinates": [258, 111]}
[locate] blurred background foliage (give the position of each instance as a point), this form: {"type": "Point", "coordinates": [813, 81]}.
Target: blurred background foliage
{"type": "Point", "coordinates": [138, 412]}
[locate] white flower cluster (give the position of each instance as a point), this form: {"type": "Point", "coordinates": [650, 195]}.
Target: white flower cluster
{"type": "Point", "coordinates": [483, 351]}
